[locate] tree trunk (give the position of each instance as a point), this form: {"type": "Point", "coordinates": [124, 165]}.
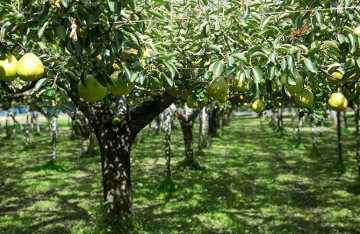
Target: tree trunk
{"type": "Point", "coordinates": [202, 129]}
{"type": "Point", "coordinates": [14, 126]}
{"type": "Point", "coordinates": [168, 142]}
{"type": "Point", "coordinates": [213, 119]}
{"type": "Point", "coordinates": [345, 118]}
{"type": "Point", "coordinates": [37, 122]}
{"type": "Point", "coordinates": [16, 122]}
{"type": "Point", "coordinates": [92, 140]}
{"type": "Point", "coordinates": [115, 140]}
{"type": "Point", "coordinates": [122, 105]}
{"type": "Point", "coordinates": [293, 124]}
{"type": "Point", "coordinates": [313, 133]}
{"type": "Point", "coordinates": [158, 123]}
{"type": "Point", "coordinates": [322, 128]}
{"type": "Point", "coordinates": [333, 114]}
{"type": "Point", "coordinates": [188, 139]}
{"type": "Point", "coordinates": [27, 127]}
{"type": "Point", "coordinates": [85, 136]}
{"type": "Point", "coordinates": [150, 130]}
{"type": "Point", "coordinates": [299, 129]}
{"type": "Point", "coordinates": [281, 126]}
{"type": "Point", "coordinates": [53, 136]}
{"type": "Point", "coordinates": [339, 136]}
{"type": "Point", "coordinates": [357, 124]}
{"type": "Point", "coordinates": [1, 128]}
{"type": "Point", "coordinates": [32, 119]}
{"type": "Point", "coordinates": [7, 124]}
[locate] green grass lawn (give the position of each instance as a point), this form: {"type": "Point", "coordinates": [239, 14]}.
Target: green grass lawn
{"type": "Point", "coordinates": [254, 181]}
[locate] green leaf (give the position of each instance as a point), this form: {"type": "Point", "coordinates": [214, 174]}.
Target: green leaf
{"type": "Point", "coordinates": [346, 77]}
{"type": "Point", "coordinates": [65, 3]}
{"type": "Point", "coordinates": [115, 7]}
{"type": "Point", "coordinates": [160, 2]}
{"type": "Point", "coordinates": [256, 88]}
{"type": "Point", "coordinates": [126, 68]}
{"type": "Point", "coordinates": [320, 17]}
{"type": "Point", "coordinates": [258, 76]}
{"type": "Point", "coordinates": [109, 80]}
{"type": "Point", "coordinates": [311, 64]}
{"type": "Point", "coordinates": [168, 78]}
{"type": "Point", "coordinates": [40, 83]}
{"type": "Point", "coordinates": [283, 64]}
{"type": "Point", "coordinates": [101, 79]}
{"type": "Point", "coordinates": [331, 44]}
{"type": "Point", "coordinates": [352, 42]}
{"type": "Point", "coordinates": [265, 22]}
{"type": "Point", "coordinates": [291, 63]}
{"type": "Point", "coordinates": [70, 106]}
{"type": "Point", "coordinates": [83, 78]}
{"type": "Point", "coordinates": [61, 32]}
{"type": "Point", "coordinates": [246, 71]}
{"type": "Point", "coordinates": [51, 110]}
{"type": "Point", "coordinates": [171, 67]}
{"type": "Point", "coordinates": [41, 104]}
{"type": "Point", "coordinates": [240, 57]}
{"type": "Point", "coordinates": [341, 38]}
{"type": "Point", "coordinates": [217, 68]}
{"type": "Point", "coordinates": [290, 80]}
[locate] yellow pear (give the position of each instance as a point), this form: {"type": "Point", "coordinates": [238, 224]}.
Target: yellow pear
{"type": "Point", "coordinates": [121, 87]}
{"type": "Point", "coordinates": [218, 88]}
{"type": "Point", "coordinates": [304, 98]}
{"type": "Point", "coordinates": [338, 74]}
{"type": "Point", "coordinates": [258, 106]}
{"type": "Point", "coordinates": [337, 102]}
{"type": "Point", "coordinates": [94, 91]}
{"type": "Point", "coordinates": [191, 102]}
{"type": "Point", "coordinates": [357, 31]}
{"type": "Point", "coordinates": [293, 89]}
{"type": "Point", "coordinates": [240, 84]}
{"type": "Point", "coordinates": [224, 99]}
{"type": "Point", "coordinates": [7, 67]}
{"type": "Point", "coordinates": [184, 94]}
{"type": "Point", "coordinates": [278, 104]}
{"type": "Point", "coordinates": [204, 102]}
{"type": "Point", "coordinates": [29, 67]}
{"type": "Point", "coordinates": [173, 91]}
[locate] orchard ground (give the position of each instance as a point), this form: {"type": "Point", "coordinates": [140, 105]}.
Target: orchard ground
{"type": "Point", "coordinates": [254, 181]}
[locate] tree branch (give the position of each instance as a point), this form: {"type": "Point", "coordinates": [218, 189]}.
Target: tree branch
{"type": "Point", "coordinates": [14, 90]}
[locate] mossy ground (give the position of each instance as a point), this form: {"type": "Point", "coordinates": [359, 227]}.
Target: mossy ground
{"type": "Point", "coordinates": [253, 181]}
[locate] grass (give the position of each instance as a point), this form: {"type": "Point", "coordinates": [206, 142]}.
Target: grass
{"type": "Point", "coordinates": [253, 182]}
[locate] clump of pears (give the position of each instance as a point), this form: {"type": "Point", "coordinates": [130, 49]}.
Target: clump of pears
{"type": "Point", "coordinates": [28, 68]}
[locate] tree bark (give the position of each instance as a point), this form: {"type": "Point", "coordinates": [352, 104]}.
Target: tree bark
{"type": "Point", "coordinates": [280, 121]}
{"type": "Point", "coordinates": [32, 119]}
{"type": "Point", "coordinates": [357, 124]}
{"type": "Point", "coordinates": [168, 142]}
{"type": "Point", "coordinates": [299, 129]}
{"type": "Point", "coordinates": [158, 123]}
{"type": "Point", "coordinates": [92, 140]}
{"type": "Point", "coordinates": [345, 118]}
{"type": "Point", "coordinates": [7, 124]}
{"type": "Point", "coordinates": [293, 124]}
{"type": "Point", "coordinates": [1, 128]}
{"type": "Point", "coordinates": [339, 136]}
{"type": "Point", "coordinates": [213, 120]}
{"type": "Point", "coordinates": [122, 105]}
{"type": "Point", "coordinates": [53, 136]}
{"type": "Point", "coordinates": [202, 129]}
{"type": "Point", "coordinates": [150, 130]}
{"type": "Point", "coordinates": [16, 122]}
{"type": "Point", "coordinates": [14, 126]}
{"type": "Point", "coordinates": [27, 127]}
{"type": "Point", "coordinates": [187, 123]}
{"type": "Point", "coordinates": [313, 132]}
{"type": "Point", "coordinates": [37, 122]}
{"type": "Point", "coordinates": [115, 140]}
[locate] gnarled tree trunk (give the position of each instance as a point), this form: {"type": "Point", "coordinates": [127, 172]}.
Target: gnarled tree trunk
{"type": "Point", "coordinates": [7, 124]}
{"type": "Point", "coordinates": [115, 140]}
{"type": "Point", "coordinates": [202, 129]}
{"type": "Point", "coordinates": [280, 121]}
{"type": "Point", "coordinates": [357, 124]}
{"type": "Point", "coordinates": [345, 118]}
